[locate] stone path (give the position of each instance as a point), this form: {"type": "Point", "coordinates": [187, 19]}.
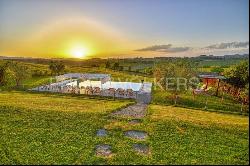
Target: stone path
{"type": "Point", "coordinates": [140, 135]}
{"type": "Point", "coordinates": [103, 150]}
{"type": "Point", "coordinates": [134, 121]}
{"type": "Point", "coordinates": [136, 112]}
{"type": "Point", "coordinates": [141, 148]}
{"type": "Point", "coordinates": [101, 133]}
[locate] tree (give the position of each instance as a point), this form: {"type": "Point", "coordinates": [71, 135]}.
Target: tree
{"type": "Point", "coordinates": [148, 70]}
{"type": "Point", "coordinates": [2, 73]}
{"type": "Point", "coordinates": [238, 75]}
{"type": "Point", "coordinates": [107, 65]}
{"type": "Point", "coordinates": [9, 78]}
{"type": "Point", "coordinates": [52, 67]}
{"type": "Point", "coordinates": [20, 72]}
{"type": "Point", "coordinates": [46, 72]}
{"type": "Point", "coordinates": [116, 66]}
{"type": "Point", "coordinates": [175, 76]}
{"type": "Point", "coordinates": [6, 75]}
{"type": "Point", "coordinates": [120, 68]}
{"type": "Point", "coordinates": [56, 67]}
{"type": "Point", "coordinates": [129, 68]}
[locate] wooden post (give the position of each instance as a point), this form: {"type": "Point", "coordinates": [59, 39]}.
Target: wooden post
{"type": "Point", "coordinates": [222, 98]}
{"type": "Point", "coordinates": [217, 90]}
{"type": "Point", "coordinates": [206, 104]}
{"type": "Point", "coordinates": [241, 108]}
{"type": "Point", "coordinates": [206, 100]}
{"type": "Point", "coordinates": [193, 92]}
{"type": "Point", "coordinates": [206, 83]}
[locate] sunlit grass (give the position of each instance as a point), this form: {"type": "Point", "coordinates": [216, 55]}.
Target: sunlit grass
{"type": "Point", "coordinates": [185, 136]}
{"type": "Point", "coordinates": [60, 129]}
{"type": "Point", "coordinates": [47, 129]}
{"type": "Point", "coordinates": [197, 117]}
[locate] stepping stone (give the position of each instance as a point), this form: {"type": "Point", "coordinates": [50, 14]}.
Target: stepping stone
{"type": "Point", "coordinates": [103, 150]}
{"type": "Point", "coordinates": [101, 133]}
{"type": "Point", "coordinates": [141, 148]}
{"type": "Point", "coordinates": [134, 111]}
{"type": "Point", "coordinates": [140, 135]}
{"type": "Point", "coordinates": [134, 121]}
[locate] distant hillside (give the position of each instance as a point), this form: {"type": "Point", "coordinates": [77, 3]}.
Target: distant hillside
{"type": "Point", "coordinates": [234, 56]}
{"type": "Point", "coordinates": [204, 60]}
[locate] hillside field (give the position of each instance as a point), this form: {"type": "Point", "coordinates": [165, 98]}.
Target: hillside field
{"type": "Point", "coordinates": [48, 128]}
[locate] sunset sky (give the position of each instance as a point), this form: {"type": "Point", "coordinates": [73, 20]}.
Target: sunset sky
{"type": "Point", "coordinates": [123, 28]}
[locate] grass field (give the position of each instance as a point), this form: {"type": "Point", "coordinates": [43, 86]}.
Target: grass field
{"type": "Point", "coordinates": [47, 128]}
{"type": "Point", "coordinates": [60, 129]}
{"type": "Point", "coordinates": [185, 136]}
{"type": "Point", "coordinates": [221, 63]}
{"type": "Point", "coordinates": [50, 129]}
{"type": "Point", "coordinates": [199, 102]}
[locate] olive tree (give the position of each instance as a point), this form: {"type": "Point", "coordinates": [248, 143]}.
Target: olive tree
{"type": "Point", "coordinates": [19, 72]}
{"type": "Point", "coordinates": [176, 76]}
{"type": "Point", "coordinates": [56, 67]}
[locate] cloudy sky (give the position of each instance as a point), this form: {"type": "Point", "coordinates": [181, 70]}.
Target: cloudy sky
{"type": "Point", "coordinates": [123, 28]}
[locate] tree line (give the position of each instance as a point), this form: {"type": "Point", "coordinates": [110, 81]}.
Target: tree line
{"type": "Point", "coordinates": [13, 72]}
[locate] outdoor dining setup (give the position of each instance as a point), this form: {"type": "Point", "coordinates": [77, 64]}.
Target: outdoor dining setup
{"type": "Point", "coordinates": [98, 84]}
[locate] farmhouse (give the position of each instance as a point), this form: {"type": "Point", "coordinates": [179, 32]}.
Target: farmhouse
{"type": "Point", "coordinates": [98, 84]}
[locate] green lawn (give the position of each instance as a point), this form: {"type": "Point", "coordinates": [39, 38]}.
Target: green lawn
{"type": "Point", "coordinates": [51, 129]}
{"type": "Point", "coordinates": [60, 129]}
{"type": "Point", "coordinates": [37, 81]}
{"type": "Point", "coordinates": [185, 136]}
{"type": "Point", "coordinates": [29, 83]}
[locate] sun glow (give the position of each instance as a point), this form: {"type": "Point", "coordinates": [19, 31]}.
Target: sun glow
{"type": "Point", "coordinates": [79, 52]}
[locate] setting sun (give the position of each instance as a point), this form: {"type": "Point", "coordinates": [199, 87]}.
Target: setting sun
{"type": "Point", "coordinates": [79, 52]}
